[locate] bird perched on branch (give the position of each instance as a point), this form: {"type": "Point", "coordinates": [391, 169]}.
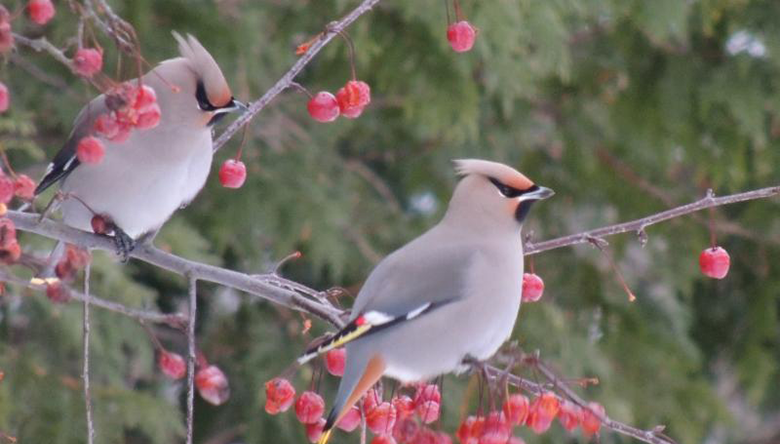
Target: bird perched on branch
{"type": "Point", "coordinates": [145, 174]}
{"type": "Point", "coordinates": [451, 294]}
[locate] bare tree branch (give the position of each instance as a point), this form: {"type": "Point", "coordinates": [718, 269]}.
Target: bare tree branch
{"type": "Point", "coordinates": [85, 370]}
{"type": "Point", "coordinates": [638, 226]}
{"type": "Point", "coordinates": [193, 296]}
{"type": "Point", "coordinates": [332, 30]}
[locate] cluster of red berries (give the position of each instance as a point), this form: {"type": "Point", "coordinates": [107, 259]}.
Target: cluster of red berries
{"type": "Point", "coordinates": [20, 185]}
{"type": "Point", "coordinates": [533, 287]}
{"type": "Point", "coordinates": [538, 415]}
{"type": "Point", "coordinates": [130, 106]}
{"type": "Point", "coordinates": [349, 102]}
{"type": "Point", "coordinates": [210, 380]}
{"type": "Point", "coordinates": [40, 11]}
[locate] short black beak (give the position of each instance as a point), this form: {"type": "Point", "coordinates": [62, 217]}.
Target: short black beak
{"type": "Point", "coordinates": [539, 194]}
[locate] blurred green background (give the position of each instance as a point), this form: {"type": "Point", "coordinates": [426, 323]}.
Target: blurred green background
{"type": "Point", "coordinates": [624, 107]}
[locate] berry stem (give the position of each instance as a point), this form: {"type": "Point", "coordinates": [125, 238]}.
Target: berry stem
{"type": "Point", "coordinates": [712, 221]}
{"type": "Point", "coordinates": [458, 11]}
{"type": "Point", "coordinates": [351, 47]}
{"type": "Point", "coordinates": [157, 344]}
{"type": "Point", "coordinates": [11, 171]}
{"type": "Point", "coordinates": [599, 243]}
{"type": "Point", "coordinates": [301, 88]}
{"type": "Point", "coordinates": [447, 9]}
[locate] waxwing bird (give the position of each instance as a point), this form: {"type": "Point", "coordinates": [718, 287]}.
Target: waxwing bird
{"type": "Point", "coordinates": [453, 293]}
{"type": "Point", "coordinates": [141, 181]}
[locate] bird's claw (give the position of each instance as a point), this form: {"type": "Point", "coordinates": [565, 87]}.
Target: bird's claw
{"type": "Point", "coordinates": [124, 244]}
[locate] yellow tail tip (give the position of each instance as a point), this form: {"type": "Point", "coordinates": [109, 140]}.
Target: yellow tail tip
{"type": "Point", "coordinates": [325, 437]}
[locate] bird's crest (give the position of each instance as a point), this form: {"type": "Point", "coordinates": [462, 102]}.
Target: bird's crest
{"type": "Point", "coordinates": [206, 68]}
{"type": "Point", "coordinates": [495, 170]}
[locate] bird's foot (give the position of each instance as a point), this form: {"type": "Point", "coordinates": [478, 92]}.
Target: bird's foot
{"type": "Point", "coordinates": [124, 243]}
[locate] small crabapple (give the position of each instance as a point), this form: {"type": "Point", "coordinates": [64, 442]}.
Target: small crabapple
{"type": "Point", "coordinates": [57, 293]}
{"type": "Point", "coordinates": [314, 430]}
{"type": "Point", "coordinates": [232, 173]}
{"type": "Point", "coordinates": [40, 11]}
{"type": "Point", "coordinates": [6, 188]}
{"type": "Point", "coordinates": [714, 262]}
{"type": "Point", "coordinates": [570, 415]}
{"type": "Point", "coordinates": [461, 36]}
{"type": "Point", "coordinates": [385, 438]}
{"type": "Point", "coordinates": [353, 98]}
{"type": "Point", "coordinates": [212, 385]}
{"type": "Point", "coordinates": [172, 364]}
{"type": "Point", "coordinates": [371, 399]}
{"type": "Point", "coordinates": [10, 253]}
{"type": "Point", "coordinates": [88, 61]}
{"type": "Point", "coordinates": [427, 392]}
{"type": "Point", "coordinates": [542, 411]}
{"type": "Point", "coordinates": [533, 287]}
{"type": "Point", "coordinates": [99, 224]}
{"type": "Point", "coordinates": [309, 407]}
{"type": "Point", "coordinates": [516, 409]}
{"type": "Point", "coordinates": [24, 187]}
{"type": "Point", "coordinates": [591, 424]}
{"type": "Point", "coordinates": [350, 420]}
{"type": "Point", "coordinates": [381, 418]}
{"type": "Point", "coordinates": [406, 429]}
{"type": "Point", "coordinates": [90, 150]}
{"type": "Point", "coordinates": [7, 232]}
{"type": "Point", "coordinates": [496, 429]}
{"type": "Point", "coordinates": [323, 107]}
{"type": "Point", "coordinates": [5, 99]}
{"type": "Point", "coordinates": [404, 405]}
{"type": "Point", "coordinates": [279, 394]}
{"type": "Point", "coordinates": [470, 430]}
{"type": "Point", "coordinates": [335, 361]}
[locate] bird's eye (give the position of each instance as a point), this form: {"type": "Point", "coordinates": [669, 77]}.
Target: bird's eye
{"type": "Point", "coordinates": [203, 98]}
{"type": "Point", "coordinates": [504, 189]}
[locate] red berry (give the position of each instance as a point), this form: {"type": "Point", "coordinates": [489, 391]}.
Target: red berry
{"type": "Point", "coordinates": [88, 61]}
{"type": "Point", "coordinates": [232, 173]}
{"type": "Point", "coordinates": [496, 429]}
{"type": "Point", "coordinates": [470, 430]}
{"type": "Point", "coordinates": [57, 293]}
{"type": "Point", "coordinates": [427, 392]}
{"type": "Point", "coordinates": [353, 97]}
{"type": "Point", "coordinates": [309, 407]}
{"type": "Point", "coordinates": [404, 406]}
{"type": "Point", "coordinates": [381, 418]}
{"type": "Point", "coordinates": [516, 409]}
{"type": "Point", "coordinates": [533, 287]}
{"type": "Point", "coordinates": [383, 439]}
{"type": "Point", "coordinates": [212, 385]}
{"type": "Point", "coordinates": [279, 395]}
{"type": "Point", "coordinates": [314, 430]}
{"type": "Point", "coordinates": [350, 420]}
{"type": "Point", "coordinates": [7, 232]}
{"type": "Point", "coordinates": [335, 361]}
{"type": "Point", "coordinates": [24, 187]}
{"type": "Point", "coordinates": [323, 107]}
{"type": "Point", "coordinates": [371, 399]}
{"type": "Point", "coordinates": [570, 415]}
{"type": "Point", "coordinates": [542, 411]}
{"type": "Point", "coordinates": [6, 37]}
{"type": "Point", "coordinates": [405, 430]}
{"type": "Point", "coordinates": [64, 270]}
{"type": "Point", "coordinates": [5, 99]}
{"type": "Point", "coordinates": [461, 36]}
{"type": "Point", "coordinates": [77, 256]}
{"type": "Point", "coordinates": [6, 188]}
{"type": "Point", "coordinates": [90, 150]}
{"type": "Point", "coordinates": [714, 262]}
{"type": "Point", "coordinates": [10, 253]}
{"type": "Point", "coordinates": [41, 11]}
{"type": "Point", "coordinates": [428, 411]}
{"type": "Point", "coordinates": [99, 224]}
{"type": "Point", "coordinates": [172, 364]}
{"type": "Point", "coordinates": [149, 118]}
{"type": "Point", "coordinates": [591, 424]}
{"type": "Point", "coordinates": [145, 97]}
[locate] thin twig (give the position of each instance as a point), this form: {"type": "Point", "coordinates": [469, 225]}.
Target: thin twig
{"type": "Point", "coordinates": [640, 224]}
{"type": "Point", "coordinates": [286, 81]}
{"type": "Point", "coordinates": [85, 370]}
{"type": "Point", "coordinates": [41, 44]}
{"type": "Point", "coordinates": [193, 294]}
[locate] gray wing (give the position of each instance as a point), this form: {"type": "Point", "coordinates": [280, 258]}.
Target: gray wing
{"type": "Point", "coordinates": [430, 269]}
{"type": "Point", "coordinates": [66, 161]}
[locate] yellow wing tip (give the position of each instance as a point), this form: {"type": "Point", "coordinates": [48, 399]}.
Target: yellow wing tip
{"type": "Point", "coordinates": [325, 437]}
